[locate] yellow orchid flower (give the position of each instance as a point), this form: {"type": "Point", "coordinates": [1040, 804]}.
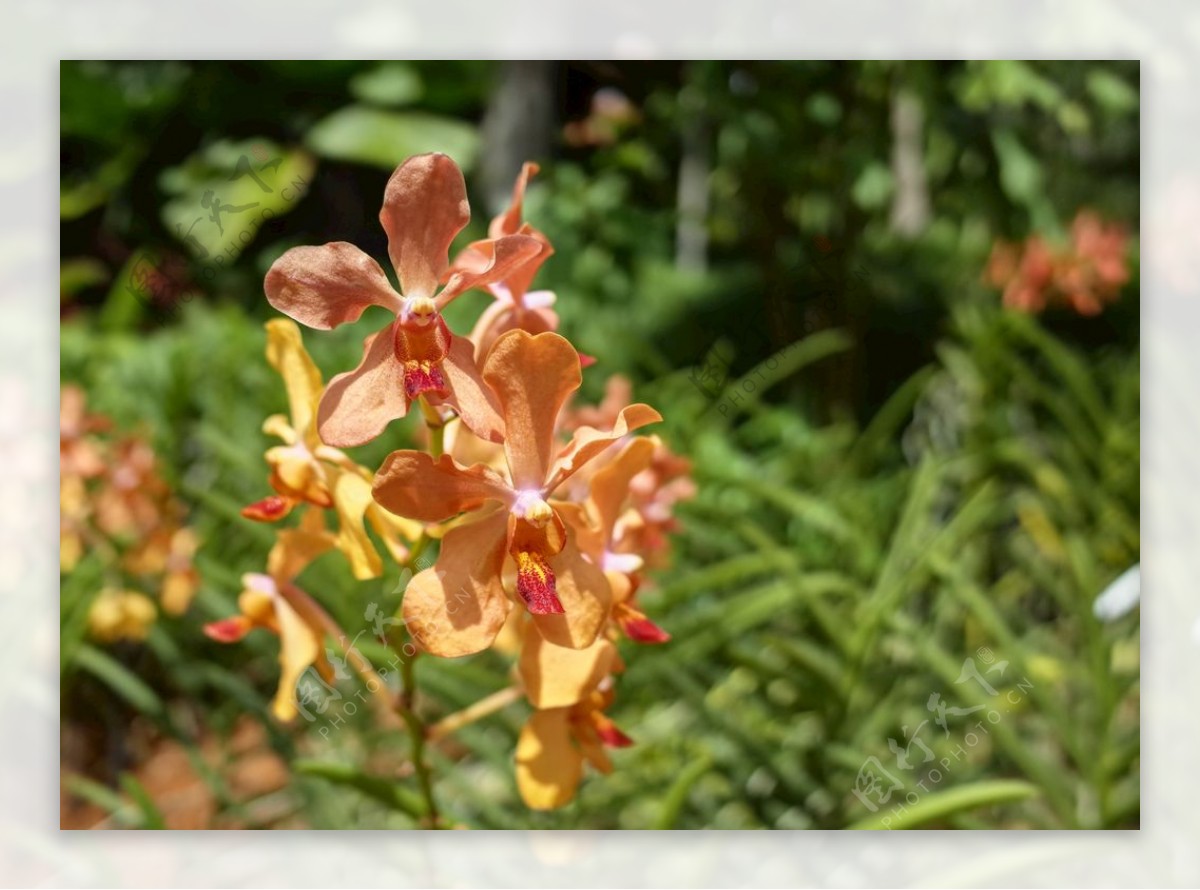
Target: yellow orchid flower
{"type": "Point", "coordinates": [571, 689]}
{"type": "Point", "coordinates": [272, 602]}
{"type": "Point", "coordinates": [306, 471]}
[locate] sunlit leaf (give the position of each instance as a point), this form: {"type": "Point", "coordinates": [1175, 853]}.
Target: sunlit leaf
{"type": "Point", "coordinates": [387, 138]}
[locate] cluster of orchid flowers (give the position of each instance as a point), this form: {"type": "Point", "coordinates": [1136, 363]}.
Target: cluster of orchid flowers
{"type": "Point", "coordinates": [114, 502]}
{"type": "Point", "coordinates": [1083, 275]}
{"type": "Point", "coordinates": [546, 515]}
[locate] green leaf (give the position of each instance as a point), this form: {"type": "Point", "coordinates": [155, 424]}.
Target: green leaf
{"type": "Point", "coordinates": [873, 187]}
{"type": "Point", "coordinates": [677, 794]}
{"type": "Point", "coordinates": [79, 194]}
{"type": "Point", "coordinates": [750, 387]}
{"type": "Point", "coordinates": [392, 83]}
{"type": "Point", "coordinates": [387, 138]}
{"type": "Point", "coordinates": [152, 817]}
{"type": "Point", "coordinates": [1111, 91]}
{"type": "Point", "coordinates": [946, 803]}
{"type": "Point", "coordinates": [390, 794]}
{"type": "Point", "coordinates": [119, 678]}
{"type": "Point", "coordinates": [80, 273]}
{"type": "Point", "coordinates": [1020, 173]}
{"type": "Point", "coordinates": [103, 797]}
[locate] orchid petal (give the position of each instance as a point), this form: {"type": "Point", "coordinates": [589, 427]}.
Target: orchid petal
{"type": "Point", "coordinates": [474, 401]}
{"type": "Point", "coordinates": [228, 630]}
{"type": "Point", "coordinates": [585, 596]}
{"type": "Point", "coordinates": [587, 536]}
{"type": "Point", "coordinates": [424, 207]}
{"type": "Point", "coordinates": [610, 485]}
{"type": "Point", "coordinates": [395, 531]}
{"type": "Point", "coordinates": [352, 498]}
{"type": "Point", "coordinates": [413, 484]}
{"type": "Point", "coordinates": [458, 606]}
{"type": "Point", "coordinates": [555, 677]}
{"type": "Point", "coordinates": [301, 377]}
{"type": "Point", "coordinates": [588, 442]}
{"type": "Point", "coordinates": [501, 317]}
{"type": "Point", "coordinates": [323, 287]}
{"type": "Point", "coordinates": [533, 376]}
{"type": "Point", "coordinates": [508, 254]}
{"type": "Point", "coordinates": [359, 404]}
{"type": "Point", "coordinates": [509, 221]}
{"type": "Point", "coordinates": [549, 768]}
{"type": "Point", "coordinates": [299, 649]}
{"type": "Point", "coordinates": [296, 547]}
{"type": "Point", "coordinates": [296, 474]}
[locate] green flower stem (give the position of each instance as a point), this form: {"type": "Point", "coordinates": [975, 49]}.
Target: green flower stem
{"type": "Point", "coordinates": [417, 733]}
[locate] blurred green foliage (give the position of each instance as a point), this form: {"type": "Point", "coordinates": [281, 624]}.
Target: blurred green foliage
{"type": "Point", "coordinates": [897, 475]}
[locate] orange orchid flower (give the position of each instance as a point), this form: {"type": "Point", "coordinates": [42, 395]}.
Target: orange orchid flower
{"type": "Point", "coordinates": [516, 307]}
{"type": "Point", "coordinates": [424, 207]}
{"type": "Point", "coordinates": [604, 529]}
{"type": "Point", "coordinates": [265, 603]}
{"type": "Point", "coordinates": [458, 606]}
{"type": "Point", "coordinates": [306, 471]}
{"type": "Point", "coordinates": [571, 691]}
{"type": "Point", "coordinates": [654, 491]}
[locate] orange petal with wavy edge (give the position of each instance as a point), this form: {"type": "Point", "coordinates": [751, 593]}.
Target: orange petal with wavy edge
{"type": "Point", "coordinates": [585, 596]}
{"type": "Point", "coordinates": [508, 255]}
{"type": "Point", "coordinates": [533, 376]}
{"type": "Point", "coordinates": [549, 768]}
{"type": "Point", "coordinates": [509, 222]}
{"type": "Point", "coordinates": [519, 280]}
{"type": "Point", "coordinates": [466, 392]}
{"type": "Point", "coordinates": [502, 316]}
{"type": "Point", "coordinates": [458, 606]}
{"type": "Point", "coordinates": [513, 285]}
{"type": "Point", "coordinates": [555, 677]}
{"type": "Point", "coordinates": [424, 207]}
{"type": "Point", "coordinates": [358, 405]}
{"type": "Point", "coordinates": [588, 442]}
{"type": "Point", "coordinates": [323, 287]}
{"type": "Point", "coordinates": [413, 484]}
{"type": "Point", "coordinates": [610, 485]}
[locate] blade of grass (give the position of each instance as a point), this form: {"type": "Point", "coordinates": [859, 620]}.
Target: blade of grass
{"type": "Point", "coordinates": [943, 804]}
